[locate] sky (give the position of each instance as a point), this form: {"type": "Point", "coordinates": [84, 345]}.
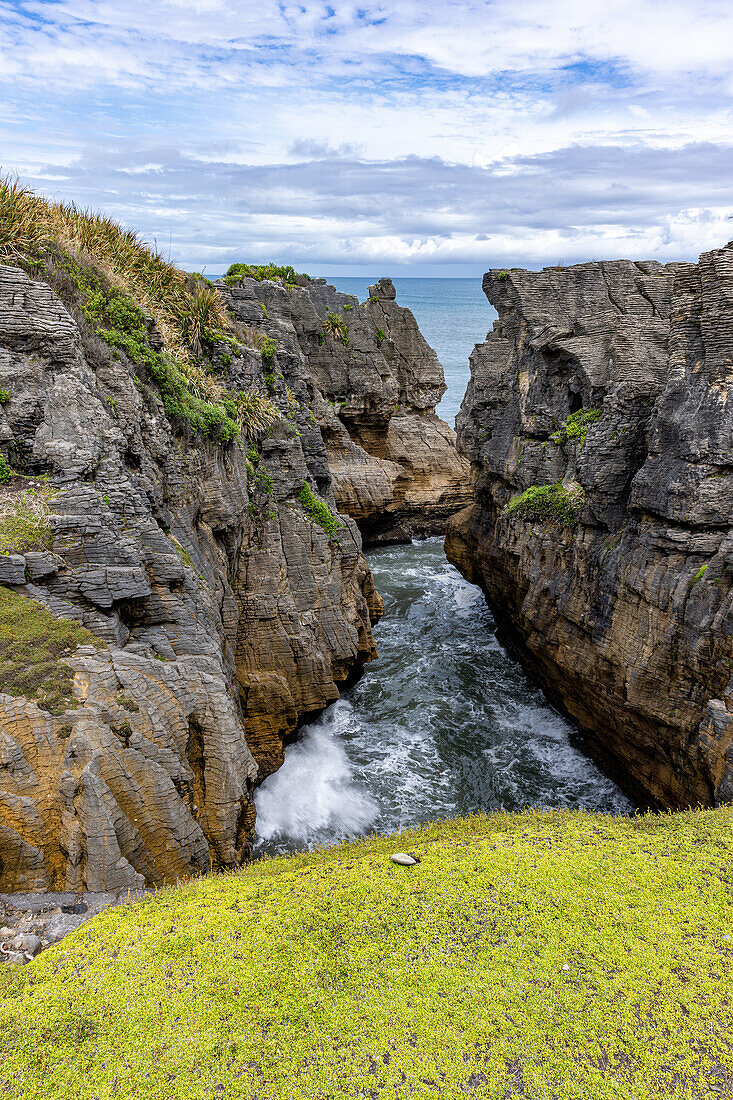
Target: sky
{"type": "Point", "coordinates": [401, 137]}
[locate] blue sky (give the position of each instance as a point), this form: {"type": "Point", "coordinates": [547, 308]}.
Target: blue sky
{"type": "Point", "coordinates": [380, 136]}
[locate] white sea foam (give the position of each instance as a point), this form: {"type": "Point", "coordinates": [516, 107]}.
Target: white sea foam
{"type": "Point", "coordinates": [444, 722]}
{"type": "Point", "coordinates": [315, 797]}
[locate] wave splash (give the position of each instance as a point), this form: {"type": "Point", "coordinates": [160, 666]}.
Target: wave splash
{"type": "Point", "coordinates": [445, 722]}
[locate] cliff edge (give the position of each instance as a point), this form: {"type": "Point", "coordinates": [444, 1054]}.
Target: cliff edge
{"type": "Point", "coordinates": [180, 587]}
{"type": "Point", "coordinates": [600, 430]}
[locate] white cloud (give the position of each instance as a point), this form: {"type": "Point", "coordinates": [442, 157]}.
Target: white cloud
{"type": "Point", "coordinates": [399, 130]}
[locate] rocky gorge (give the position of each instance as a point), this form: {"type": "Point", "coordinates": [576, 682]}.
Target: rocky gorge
{"type": "Point", "coordinates": [177, 596]}
{"type": "Point", "coordinates": [189, 472]}
{"type": "Point", "coordinates": [600, 430]}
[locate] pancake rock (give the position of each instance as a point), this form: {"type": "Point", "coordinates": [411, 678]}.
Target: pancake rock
{"type": "Point", "coordinates": [599, 426]}
{"type": "Point", "coordinates": [373, 383]}
{"type": "Point", "coordinates": [219, 580]}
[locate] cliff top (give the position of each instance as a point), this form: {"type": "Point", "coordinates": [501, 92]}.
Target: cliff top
{"type": "Point", "coordinates": [525, 955]}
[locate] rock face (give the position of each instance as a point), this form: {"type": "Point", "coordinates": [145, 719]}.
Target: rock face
{"type": "Point", "coordinates": [225, 608]}
{"type": "Point", "coordinates": [615, 588]}
{"type": "Point", "coordinates": [373, 389]}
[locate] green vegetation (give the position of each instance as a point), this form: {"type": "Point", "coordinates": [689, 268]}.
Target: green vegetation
{"type": "Point", "coordinates": [268, 350]}
{"type": "Point", "coordinates": [263, 307]}
{"type": "Point", "coordinates": [348, 306]}
{"type": "Point", "coordinates": [700, 573]}
{"type": "Point", "coordinates": [318, 511]}
{"type": "Point", "coordinates": [251, 412]}
{"type": "Point", "coordinates": [373, 298]}
{"type": "Point", "coordinates": [502, 276]}
{"type": "Point", "coordinates": [24, 520]}
{"type": "Point", "coordinates": [5, 471]}
{"type": "Point", "coordinates": [380, 337]}
{"type": "Point", "coordinates": [575, 427]}
{"type": "Point", "coordinates": [117, 282]}
{"type": "Point", "coordinates": [4, 397]}
{"type": "Point", "coordinates": [336, 326]}
{"type": "Point", "coordinates": [32, 643]}
{"type": "Point", "coordinates": [548, 503]}
{"type": "Point", "coordinates": [274, 272]}
{"type": "Point", "coordinates": [538, 955]}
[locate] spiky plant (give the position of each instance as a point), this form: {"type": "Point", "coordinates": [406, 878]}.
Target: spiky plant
{"type": "Point", "coordinates": [336, 326]}
{"type": "Point", "coordinates": [254, 413]}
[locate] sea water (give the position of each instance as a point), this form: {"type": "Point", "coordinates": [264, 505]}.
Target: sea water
{"type": "Point", "coordinates": [444, 722]}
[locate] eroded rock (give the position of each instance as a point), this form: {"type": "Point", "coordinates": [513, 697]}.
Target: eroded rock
{"type": "Point", "coordinates": [625, 614]}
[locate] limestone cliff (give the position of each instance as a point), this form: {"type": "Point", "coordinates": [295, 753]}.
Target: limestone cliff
{"type": "Point", "coordinates": [373, 383]}
{"type": "Point", "coordinates": [225, 597]}
{"type": "Point", "coordinates": [599, 427]}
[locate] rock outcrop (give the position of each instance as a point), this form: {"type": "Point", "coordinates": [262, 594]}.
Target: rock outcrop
{"type": "Point", "coordinates": [373, 384]}
{"type": "Point", "coordinates": [603, 398]}
{"type": "Point", "coordinates": [226, 596]}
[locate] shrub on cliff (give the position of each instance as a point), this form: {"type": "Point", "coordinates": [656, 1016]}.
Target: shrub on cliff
{"type": "Point", "coordinates": [575, 427]}
{"type": "Point", "coordinates": [544, 954]}
{"type": "Point", "coordinates": [118, 283]}
{"type": "Point", "coordinates": [318, 511]}
{"type": "Point", "coordinates": [273, 272]}
{"type": "Point", "coordinates": [548, 503]}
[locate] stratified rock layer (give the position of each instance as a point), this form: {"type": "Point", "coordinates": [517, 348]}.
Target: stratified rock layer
{"type": "Point", "coordinates": [227, 611]}
{"type": "Point", "coordinates": [373, 390]}
{"type": "Point", "coordinates": [626, 618]}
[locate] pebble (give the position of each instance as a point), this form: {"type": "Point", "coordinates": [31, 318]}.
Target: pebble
{"type": "Point", "coordinates": [565, 966]}
{"type": "Point", "coordinates": [726, 937]}
{"type": "Point", "coordinates": [403, 859]}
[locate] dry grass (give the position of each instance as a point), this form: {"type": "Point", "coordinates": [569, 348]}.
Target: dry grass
{"type": "Point", "coordinates": [182, 305]}
{"type": "Point", "coordinates": [24, 524]}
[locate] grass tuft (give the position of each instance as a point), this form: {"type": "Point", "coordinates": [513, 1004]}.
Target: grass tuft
{"type": "Point", "coordinates": [24, 520]}
{"type": "Point", "coordinates": [336, 326]}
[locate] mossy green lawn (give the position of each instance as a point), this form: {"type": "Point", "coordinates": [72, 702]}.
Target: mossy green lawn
{"type": "Point", "coordinates": [536, 955]}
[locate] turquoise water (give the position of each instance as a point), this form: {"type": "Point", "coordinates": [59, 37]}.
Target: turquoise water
{"type": "Point", "coordinates": [453, 315]}
{"type": "Point", "coordinates": [444, 722]}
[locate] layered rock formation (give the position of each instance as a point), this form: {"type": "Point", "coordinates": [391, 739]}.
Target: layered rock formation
{"type": "Point", "coordinates": [226, 598]}
{"type": "Point", "coordinates": [610, 384]}
{"type": "Point", "coordinates": [373, 386]}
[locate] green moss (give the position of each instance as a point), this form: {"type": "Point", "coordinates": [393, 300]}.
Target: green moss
{"type": "Point", "coordinates": [575, 427]}
{"type": "Point", "coordinates": [5, 471]}
{"type": "Point", "coordinates": [348, 306]}
{"type": "Point", "coordinates": [4, 397]}
{"type": "Point", "coordinates": [380, 337]}
{"type": "Point", "coordinates": [275, 272]}
{"type": "Point", "coordinates": [548, 503]}
{"type": "Point", "coordinates": [540, 955]}
{"type": "Point", "coordinates": [502, 276]}
{"type": "Point", "coordinates": [263, 307]}
{"type": "Point", "coordinates": [700, 573]}
{"type": "Point", "coordinates": [318, 511]}
{"type": "Point", "coordinates": [32, 643]}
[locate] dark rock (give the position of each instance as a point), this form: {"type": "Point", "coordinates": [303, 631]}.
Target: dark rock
{"type": "Point", "coordinates": [625, 615]}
